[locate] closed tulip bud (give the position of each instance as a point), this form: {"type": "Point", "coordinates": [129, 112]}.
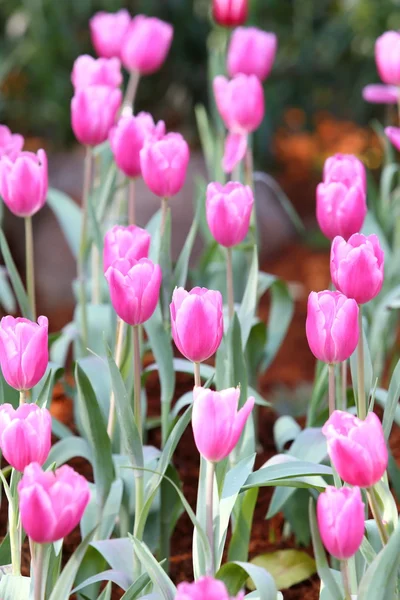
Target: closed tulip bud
{"type": "Point", "coordinates": [134, 289]}
{"type": "Point", "coordinates": [340, 515]}
{"type": "Point", "coordinates": [128, 137]}
{"type": "Point", "coordinates": [228, 210]}
{"type": "Point", "coordinates": [24, 182]}
{"type": "Point", "coordinates": [11, 144]}
{"type": "Point", "coordinates": [357, 266]}
{"type": "Point", "coordinates": [380, 94]}
{"type": "Point", "coordinates": [164, 164]}
{"type": "Point", "coordinates": [393, 134]}
{"type": "Point", "coordinates": [341, 208]}
{"type": "Point", "coordinates": [96, 71]}
{"type": "Point", "coordinates": [205, 588]}
{"type": "Point", "coordinates": [146, 44]}
{"type": "Point", "coordinates": [346, 169]}
{"type": "Point", "coordinates": [217, 423]}
{"type": "Point", "coordinates": [332, 326]}
{"type": "Point", "coordinates": [51, 503]}
{"type": "Point", "coordinates": [25, 434]}
{"type": "Point", "coordinates": [93, 112]}
{"type": "Point", "coordinates": [240, 102]}
{"type": "Point", "coordinates": [107, 31]}
{"type": "Point", "coordinates": [230, 13]}
{"type": "Point", "coordinates": [251, 52]}
{"type": "Point", "coordinates": [356, 447]}
{"type": "Point", "coordinates": [197, 322]}
{"type": "Point", "coordinates": [387, 57]}
{"type": "Point", "coordinates": [130, 242]}
{"type": "Point", "coordinates": [24, 353]}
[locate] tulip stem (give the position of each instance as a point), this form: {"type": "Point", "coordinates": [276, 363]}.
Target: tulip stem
{"type": "Point", "coordinates": [130, 94]}
{"type": "Point", "coordinates": [331, 371]}
{"type": "Point", "coordinates": [131, 202]}
{"type": "Point", "coordinates": [118, 358]}
{"type": "Point", "coordinates": [15, 546]}
{"type": "Point", "coordinates": [38, 560]}
{"type": "Point", "coordinates": [22, 397]}
{"type": "Point", "coordinates": [229, 284]}
{"type": "Point", "coordinates": [209, 511]}
{"type": "Point", "coordinates": [361, 405]}
{"type": "Point", "coordinates": [164, 212]}
{"type": "Point", "coordinates": [197, 378]}
{"type": "Point", "coordinates": [137, 386]}
{"type": "Point", "coordinates": [30, 265]}
{"type": "Point", "coordinates": [374, 505]}
{"type": "Point", "coordinates": [344, 384]}
{"type": "Point", "coordinates": [95, 275]}
{"type": "Point", "coordinates": [345, 577]}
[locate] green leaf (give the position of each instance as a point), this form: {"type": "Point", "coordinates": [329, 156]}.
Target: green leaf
{"type": "Point", "coordinates": [284, 201]}
{"type": "Point", "coordinates": [109, 513]}
{"type": "Point", "coordinates": [182, 264]}
{"type": "Point", "coordinates": [43, 391]}
{"type": "Point", "coordinates": [106, 593]}
{"type": "Point", "coordinates": [287, 473]}
{"type": "Point", "coordinates": [249, 303]}
{"type": "Point", "coordinates": [287, 567]}
{"type": "Point", "coordinates": [136, 587]}
{"type": "Point", "coordinates": [117, 552]}
{"type": "Point", "coordinates": [319, 393]}
{"type": "Point", "coordinates": [392, 401]}
{"type": "Point", "coordinates": [13, 587]}
{"type": "Point", "coordinates": [5, 551]}
{"type": "Point", "coordinates": [239, 544]}
{"type": "Point", "coordinates": [15, 279]}
{"type": "Point", "coordinates": [155, 571]}
{"type": "Point", "coordinates": [68, 448]}
{"type": "Point", "coordinates": [235, 574]}
{"type": "Point", "coordinates": [286, 429]}
{"type": "Point", "coordinates": [117, 577]}
{"type": "Point", "coordinates": [280, 316]}
{"type": "Point", "coordinates": [69, 217]}
{"type": "Point", "coordinates": [162, 349]}
{"type": "Point", "coordinates": [7, 299]}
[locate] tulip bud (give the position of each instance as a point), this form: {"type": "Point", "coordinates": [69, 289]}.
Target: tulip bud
{"type": "Point", "coordinates": [164, 164]}
{"type": "Point", "coordinates": [107, 31]}
{"type": "Point", "coordinates": [146, 44]}
{"type": "Point", "coordinates": [24, 351]}
{"type": "Point", "coordinates": [128, 137]}
{"type": "Point", "coordinates": [197, 322]}
{"type": "Point", "coordinates": [341, 208]}
{"type": "Point", "coordinates": [217, 424]}
{"type": "Point", "coordinates": [230, 13]}
{"type": "Point", "coordinates": [25, 434]}
{"type": "Point", "coordinates": [11, 144]}
{"type": "Point", "coordinates": [251, 52]}
{"type": "Point", "coordinates": [346, 169]}
{"type": "Point", "coordinates": [387, 57]}
{"type": "Point", "coordinates": [356, 447]}
{"type": "Point", "coordinates": [51, 503]}
{"type": "Point", "coordinates": [332, 326]}
{"type": "Point", "coordinates": [380, 94]}
{"type": "Point", "coordinates": [228, 210]}
{"type": "Point", "coordinates": [24, 182]}
{"type": "Point", "coordinates": [130, 242]}
{"type": "Point", "coordinates": [205, 588]}
{"type": "Point", "coordinates": [240, 102]}
{"type": "Point", "coordinates": [340, 515]}
{"type": "Point", "coordinates": [96, 71]}
{"type": "Point", "coordinates": [93, 112]}
{"type": "Point", "coordinates": [393, 134]}
{"type": "Point", "coordinates": [134, 289]}
{"type": "Point", "coordinates": [357, 266]}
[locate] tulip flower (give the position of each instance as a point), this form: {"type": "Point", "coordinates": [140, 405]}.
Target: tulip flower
{"type": "Point", "coordinates": [341, 208]}
{"type": "Point", "coordinates": [356, 447]}
{"type": "Point", "coordinates": [340, 516]}
{"type": "Point", "coordinates": [380, 94]}
{"type": "Point", "coordinates": [96, 71]}
{"type": "Point", "coordinates": [51, 503]}
{"type": "Point", "coordinates": [393, 133]}
{"type": "Point", "coordinates": [11, 144]}
{"type": "Point", "coordinates": [134, 289]}
{"type": "Point", "coordinates": [164, 164]}
{"type": "Point", "coordinates": [25, 434]}
{"type": "Point", "coordinates": [332, 326]}
{"type": "Point", "coordinates": [205, 588]}
{"type": "Point", "coordinates": [197, 322]}
{"type": "Point", "coordinates": [24, 182]}
{"type": "Point", "coordinates": [230, 13]}
{"type": "Point", "coordinates": [24, 351]}
{"type": "Point", "coordinates": [357, 266]}
{"type": "Point", "coordinates": [251, 52]}
{"type": "Point", "coordinates": [130, 242]}
{"type": "Point", "coordinates": [93, 112]}
{"type": "Point", "coordinates": [228, 211]}
{"type": "Point", "coordinates": [108, 31]}
{"type": "Point", "coordinates": [387, 57]}
{"type": "Point", "coordinates": [146, 44]}
{"type": "Point", "coordinates": [346, 169]}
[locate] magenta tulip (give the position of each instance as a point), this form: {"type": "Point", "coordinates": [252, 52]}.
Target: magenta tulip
{"type": "Point", "coordinates": [387, 57]}
{"type": "Point", "coordinates": [93, 112]}
{"type": "Point", "coordinates": [197, 322]}
{"type": "Point", "coordinates": [205, 588]}
{"type": "Point", "coordinates": [357, 266]}
{"type": "Point", "coordinates": [51, 503]}
{"type": "Point", "coordinates": [393, 134]}
{"type": "Point", "coordinates": [107, 31]}
{"type": "Point", "coordinates": [164, 164]}
{"type": "Point", "coordinates": [96, 71]}
{"type": "Point", "coordinates": [380, 94]}
{"type": "Point", "coordinates": [341, 208]}
{"type": "Point", "coordinates": [128, 137]}
{"type": "Point", "coordinates": [24, 182]}
{"type": "Point", "coordinates": [24, 351]}
{"type": "Point", "coordinates": [230, 13]}
{"type": "Point", "coordinates": [340, 515]}
{"type": "Point", "coordinates": [332, 326]}
{"type": "Point", "coordinates": [134, 289]}
{"type": "Point", "coordinates": [11, 144]}
{"type": "Point", "coordinates": [25, 434]}
{"type": "Point", "coordinates": [146, 44]}
{"type": "Point", "coordinates": [130, 242]}
{"type": "Point", "coordinates": [228, 210]}
{"type": "Point", "coordinates": [251, 52]}
{"type": "Point", "coordinates": [356, 447]}
{"type": "Point", "coordinates": [346, 169]}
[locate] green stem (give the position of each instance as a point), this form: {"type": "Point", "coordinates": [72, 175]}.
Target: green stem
{"type": "Point", "coordinates": [22, 397]}
{"type": "Point", "coordinates": [130, 95]}
{"type": "Point", "coordinates": [209, 512]}
{"type": "Point", "coordinates": [331, 372]}
{"type": "Point", "coordinates": [131, 202]}
{"type": "Point", "coordinates": [30, 265]}
{"type": "Point", "coordinates": [119, 343]}
{"type": "Point", "coordinates": [345, 577]}
{"type": "Point", "coordinates": [373, 503]}
{"type": "Point", "coordinates": [361, 405]}
{"type": "Point", "coordinates": [165, 525]}
{"type": "Point", "coordinates": [164, 212]}
{"type": "Point", "coordinates": [197, 378]}
{"type": "Point", "coordinates": [95, 275]}
{"type": "Point", "coordinates": [165, 408]}
{"type": "Point", "coordinates": [229, 284]}
{"type": "Point", "coordinates": [137, 387]}
{"type": "Point", "coordinates": [14, 524]}
{"type": "Point", "coordinates": [344, 384]}
{"type": "Point", "coordinates": [38, 571]}
{"type": "Point", "coordinates": [139, 502]}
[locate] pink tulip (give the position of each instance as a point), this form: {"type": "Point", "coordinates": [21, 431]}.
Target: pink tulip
{"type": "Point", "coordinates": [24, 351]}
{"type": "Point", "coordinates": [332, 326]}
{"type": "Point", "coordinates": [25, 434]}
{"type": "Point", "coordinates": [197, 322]}
{"type": "Point", "coordinates": [146, 44]}
{"type": "Point", "coordinates": [357, 266]}
{"type": "Point", "coordinates": [340, 515]}
{"type": "Point", "coordinates": [51, 503]}
{"type": "Point", "coordinates": [346, 169]}
{"type": "Point", "coordinates": [24, 182]}
{"type": "Point", "coordinates": [356, 447]}
{"type": "Point", "coordinates": [205, 588]}
{"type": "Point", "coordinates": [230, 13]}
{"type": "Point", "coordinates": [108, 31]}
{"type": "Point", "coordinates": [130, 242]}
{"type": "Point", "coordinates": [164, 164]}
{"type": "Point", "coordinates": [93, 112]}
{"type": "Point", "coordinates": [128, 137]}
{"type": "Point", "coordinates": [134, 289]}
{"type": "Point", "coordinates": [380, 94]}
{"type": "Point", "coordinates": [393, 134]}
{"type": "Point", "coordinates": [228, 210]}
{"type": "Point", "coordinates": [341, 208]}
{"type": "Point", "coordinates": [251, 52]}
{"type": "Point", "coordinates": [387, 57]}
{"type": "Point", "coordinates": [11, 144]}
{"type": "Point", "coordinates": [217, 424]}
{"type": "Point", "coordinates": [96, 71]}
